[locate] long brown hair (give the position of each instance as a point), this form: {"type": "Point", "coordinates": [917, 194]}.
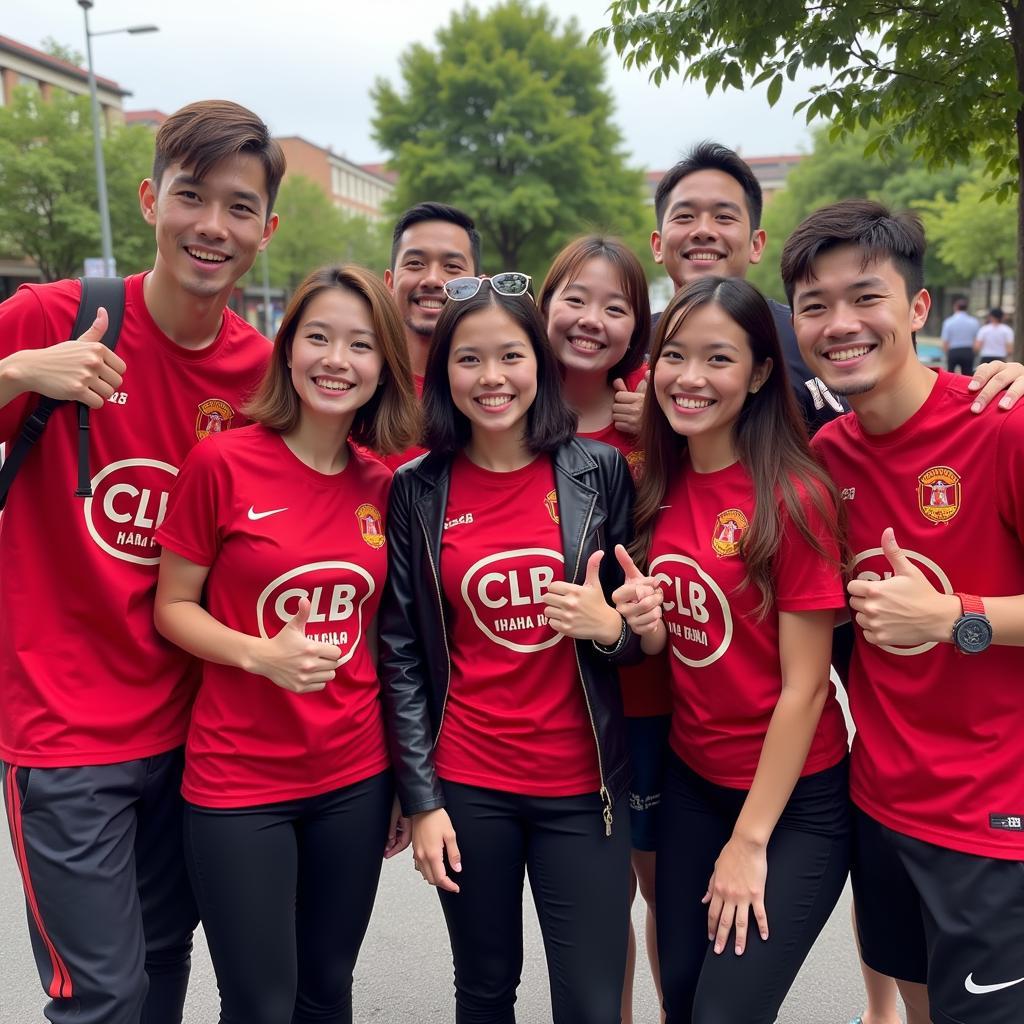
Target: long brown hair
{"type": "Point", "coordinates": [390, 421]}
{"type": "Point", "coordinates": [770, 437]}
{"type": "Point", "coordinates": [565, 268]}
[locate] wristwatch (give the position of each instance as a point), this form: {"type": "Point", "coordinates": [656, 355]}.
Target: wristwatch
{"type": "Point", "coordinates": [972, 632]}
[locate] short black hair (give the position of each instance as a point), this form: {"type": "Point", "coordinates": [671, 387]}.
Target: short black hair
{"type": "Point", "coordinates": [960, 303]}
{"type": "Point", "coordinates": [879, 233]}
{"type": "Point", "coordinates": [422, 212]}
{"type": "Point", "coordinates": [550, 423]}
{"type": "Point", "coordinates": [712, 156]}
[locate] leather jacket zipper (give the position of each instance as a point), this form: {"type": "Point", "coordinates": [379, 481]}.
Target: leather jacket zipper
{"type": "Point", "coordinates": [444, 632]}
{"type": "Point", "coordinates": [606, 800]}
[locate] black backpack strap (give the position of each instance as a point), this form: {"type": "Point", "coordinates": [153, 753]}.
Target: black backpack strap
{"type": "Point", "coordinates": [109, 294]}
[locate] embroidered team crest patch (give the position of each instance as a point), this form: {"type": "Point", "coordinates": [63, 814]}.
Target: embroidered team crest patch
{"type": "Point", "coordinates": [938, 494]}
{"type": "Point", "coordinates": [214, 417]}
{"type": "Point", "coordinates": [729, 528]}
{"type": "Point", "coordinates": [636, 461]}
{"type": "Point", "coordinates": [551, 504]}
{"type": "Point", "coordinates": [371, 525]}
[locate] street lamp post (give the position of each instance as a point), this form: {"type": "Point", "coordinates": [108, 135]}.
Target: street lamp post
{"type": "Point", "coordinates": [97, 139]}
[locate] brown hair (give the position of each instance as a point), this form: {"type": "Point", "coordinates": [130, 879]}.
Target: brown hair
{"type": "Point", "coordinates": [390, 421]}
{"type": "Point", "coordinates": [202, 134]}
{"type": "Point", "coordinates": [565, 268]}
{"type": "Point", "coordinates": [770, 436]}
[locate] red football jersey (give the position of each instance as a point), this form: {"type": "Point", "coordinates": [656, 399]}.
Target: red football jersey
{"type": "Point", "coordinates": [938, 752]}
{"type": "Point", "coordinates": [645, 686]}
{"type": "Point", "coordinates": [273, 531]}
{"type": "Point", "coordinates": [726, 676]}
{"type": "Point", "coordinates": [516, 717]}
{"type": "Point", "coordinates": [84, 676]}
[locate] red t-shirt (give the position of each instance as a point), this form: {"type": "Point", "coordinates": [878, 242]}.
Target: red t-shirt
{"type": "Point", "coordinates": [413, 451]}
{"type": "Point", "coordinates": [939, 749]}
{"type": "Point", "coordinates": [726, 676]}
{"type": "Point", "coordinates": [645, 686]}
{"type": "Point", "coordinates": [274, 531]}
{"type": "Point", "coordinates": [84, 676]}
{"type": "Point", "coordinates": [516, 717]}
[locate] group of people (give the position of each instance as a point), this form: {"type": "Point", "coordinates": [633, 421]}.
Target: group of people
{"type": "Point", "coordinates": [965, 340]}
{"type": "Point", "coordinates": [541, 587]}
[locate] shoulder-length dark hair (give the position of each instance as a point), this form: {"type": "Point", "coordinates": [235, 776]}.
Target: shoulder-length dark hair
{"type": "Point", "coordinates": [550, 423]}
{"type": "Point", "coordinates": [389, 421]}
{"type": "Point", "coordinates": [565, 268]}
{"type": "Point", "coordinates": [770, 436]}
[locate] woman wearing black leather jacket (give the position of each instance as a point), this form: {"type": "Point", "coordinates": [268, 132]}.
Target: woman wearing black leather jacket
{"type": "Point", "coordinates": [497, 662]}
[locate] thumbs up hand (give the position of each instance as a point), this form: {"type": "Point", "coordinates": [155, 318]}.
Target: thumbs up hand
{"type": "Point", "coordinates": [639, 599]}
{"type": "Point", "coordinates": [580, 610]}
{"type": "Point", "coordinates": [292, 660]}
{"type": "Point", "coordinates": [82, 370]}
{"type": "Point", "coordinates": [904, 609]}
{"type": "Point", "coordinates": [628, 406]}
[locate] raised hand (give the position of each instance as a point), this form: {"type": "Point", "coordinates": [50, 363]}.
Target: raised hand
{"type": "Point", "coordinates": [580, 610]}
{"type": "Point", "coordinates": [639, 599]}
{"type": "Point", "coordinates": [83, 370]}
{"type": "Point", "coordinates": [905, 609]}
{"type": "Point", "coordinates": [627, 408]}
{"type": "Point", "coordinates": [293, 661]}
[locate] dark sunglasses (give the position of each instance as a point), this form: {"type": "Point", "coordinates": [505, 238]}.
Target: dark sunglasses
{"type": "Point", "coordinates": [509, 282]}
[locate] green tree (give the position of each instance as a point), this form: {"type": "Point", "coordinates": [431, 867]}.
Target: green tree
{"type": "Point", "coordinates": [48, 185]}
{"type": "Point", "coordinates": [838, 170]}
{"type": "Point", "coordinates": [971, 232]}
{"type": "Point", "coordinates": [510, 119]}
{"type": "Point", "coordinates": [314, 232]}
{"type": "Point", "coordinates": [62, 51]}
{"type": "Point", "coordinates": [947, 77]}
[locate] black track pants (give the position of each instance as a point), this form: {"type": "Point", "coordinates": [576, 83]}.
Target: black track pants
{"type": "Point", "coordinates": [580, 882]}
{"type": "Point", "coordinates": [110, 910]}
{"type": "Point", "coordinates": [285, 891]}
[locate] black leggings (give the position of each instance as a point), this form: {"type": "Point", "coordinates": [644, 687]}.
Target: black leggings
{"type": "Point", "coordinates": [285, 892]}
{"type": "Point", "coordinates": [808, 858]}
{"type": "Point", "coordinates": [580, 882]}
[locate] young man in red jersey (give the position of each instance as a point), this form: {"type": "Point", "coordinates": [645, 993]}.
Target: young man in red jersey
{"type": "Point", "coordinates": [432, 243]}
{"type": "Point", "coordinates": [934, 498]}
{"type": "Point", "coordinates": [95, 702]}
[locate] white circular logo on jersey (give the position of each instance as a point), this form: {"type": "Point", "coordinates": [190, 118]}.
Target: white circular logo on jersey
{"type": "Point", "coordinates": [873, 565]}
{"type": "Point", "coordinates": [505, 595]}
{"type": "Point", "coordinates": [336, 593]}
{"type": "Point", "coordinates": [128, 503]}
{"type": "Point", "coordinates": [696, 611]}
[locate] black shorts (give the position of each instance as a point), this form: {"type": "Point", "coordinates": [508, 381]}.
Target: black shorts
{"type": "Point", "coordinates": [952, 920]}
{"type": "Point", "coordinates": [648, 750]}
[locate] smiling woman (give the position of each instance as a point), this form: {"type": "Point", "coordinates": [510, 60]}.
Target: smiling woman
{"type": "Point", "coordinates": [274, 553]}
{"type": "Point", "coordinates": [504, 711]}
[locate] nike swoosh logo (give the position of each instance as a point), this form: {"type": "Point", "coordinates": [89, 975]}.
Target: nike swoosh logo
{"type": "Point", "coordinates": [979, 990]}
{"type": "Point", "coordinates": [253, 514]}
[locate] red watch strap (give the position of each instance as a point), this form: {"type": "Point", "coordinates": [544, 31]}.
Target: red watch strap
{"type": "Point", "coordinates": [971, 604]}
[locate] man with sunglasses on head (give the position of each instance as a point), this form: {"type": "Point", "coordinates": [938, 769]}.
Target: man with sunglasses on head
{"type": "Point", "coordinates": [432, 243]}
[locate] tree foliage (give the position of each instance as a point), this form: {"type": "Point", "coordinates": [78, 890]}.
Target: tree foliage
{"type": "Point", "coordinates": [48, 185]}
{"type": "Point", "coordinates": [839, 170]}
{"type": "Point", "coordinates": [944, 75]}
{"type": "Point", "coordinates": [62, 51]}
{"type": "Point", "coordinates": [971, 232]}
{"type": "Point", "coordinates": [509, 118]}
{"type": "Point", "coordinates": [314, 233]}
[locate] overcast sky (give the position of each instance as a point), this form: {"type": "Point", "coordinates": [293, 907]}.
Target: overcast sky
{"type": "Point", "coordinates": [306, 66]}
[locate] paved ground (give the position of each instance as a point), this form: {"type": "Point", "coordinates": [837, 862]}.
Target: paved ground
{"type": "Point", "coordinates": [404, 972]}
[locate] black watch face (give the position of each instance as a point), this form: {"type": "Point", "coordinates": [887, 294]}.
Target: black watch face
{"type": "Point", "coordinates": [973, 634]}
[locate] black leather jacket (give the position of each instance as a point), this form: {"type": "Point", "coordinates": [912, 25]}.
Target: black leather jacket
{"type": "Point", "coordinates": [595, 504]}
